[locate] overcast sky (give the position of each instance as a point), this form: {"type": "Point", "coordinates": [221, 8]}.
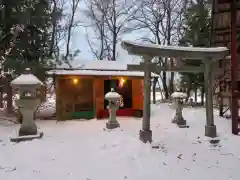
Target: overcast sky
{"type": "Point", "coordinates": [79, 41]}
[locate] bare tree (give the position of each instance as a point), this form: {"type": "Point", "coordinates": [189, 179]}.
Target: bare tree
{"type": "Point", "coordinates": [96, 42]}
{"type": "Point", "coordinates": [164, 20]}
{"type": "Point", "coordinates": [70, 24]}
{"type": "Point", "coordinates": [111, 18]}
{"type": "Point", "coordinates": [57, 32]}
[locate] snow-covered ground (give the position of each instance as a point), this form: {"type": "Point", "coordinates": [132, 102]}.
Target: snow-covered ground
{"type": "Point", "coordinates": [85, 150]}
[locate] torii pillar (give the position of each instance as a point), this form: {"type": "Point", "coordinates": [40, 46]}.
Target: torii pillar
{"type": "Point", "coordinates": [145, 134]}
{"type": "Point", "coordinates": [210, 127]}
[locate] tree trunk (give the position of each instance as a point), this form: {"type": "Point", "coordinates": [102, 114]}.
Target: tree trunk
{"type": "Point", "coordinates": [220, 99]}
{"type": "Point", "coordinates": [202, 95]}
{"type": "Point", "coordinates": [195, 94]}
{"type": "Point", "coordinates": [9, 95]}
{"type": "Point", "coordinates": [164, 82]}
{"type": "Point", "coordinates": [154, 89]}
{"type": "Point", "coordinates": [189, 88]}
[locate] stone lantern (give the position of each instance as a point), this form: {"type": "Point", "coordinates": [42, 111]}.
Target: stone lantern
{"type": "Point", "coordinates": [27, 84]}
{"type": "Point", "coordinates": [113, 98]}
{"type": "Point", "coordinates": [178, 118]}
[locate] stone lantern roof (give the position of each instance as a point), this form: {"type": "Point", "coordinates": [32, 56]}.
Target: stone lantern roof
{"type": "Point", "coordinates": [26, 79]}
{"type": "Point", "coordinates": [112, 95]}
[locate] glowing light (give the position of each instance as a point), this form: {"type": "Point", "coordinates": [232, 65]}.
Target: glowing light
{"type": "Point", "coordinates": [121, 83]}
{"type": "Point", "coordinates": [75, 81]}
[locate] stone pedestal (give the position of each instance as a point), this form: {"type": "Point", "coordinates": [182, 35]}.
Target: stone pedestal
{"type": "Point", "coordinates": [112, 125]}
{"type": "Point", "coordinates": [112, 120]}
{"type": "Point", "coordinates": [28, 126]}
{"type": "Point", "coordinates": [211, 131]}
{"type": "Point", "coordinates": [39, 135]}
{"type": "Point", "coordinates": [174, 120]}
{"type": "Point", "coordinates": [145, 136]}
{"type": "Point", "coordinates": [113, 98]}
{"type": "Point", "coordinates": [178, 118]}
{"type": "Point", "coordinates": [182, 124]}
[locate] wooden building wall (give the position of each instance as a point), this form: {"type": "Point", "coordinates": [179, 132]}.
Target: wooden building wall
{"type": "Point", "coordinates": [137, 94]}
{"type": "Point", "coordinates": [65, 100]}
{"type": "Point", "coordinates": [99, 94]}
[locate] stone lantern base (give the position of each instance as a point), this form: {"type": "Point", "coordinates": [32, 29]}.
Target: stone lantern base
{"type": "Point", "coordinates": [182, 123]}
{"type": "Point", "coordinates": [28, 130]}
{"type": "Point", "coordinates": [145, 136]}
{"type": "Point", "coordinates": [112, 125]}
{"type": "Point", "coordinates": [39, 135]}
{"type": "Point", "coordinates": [174, 120]}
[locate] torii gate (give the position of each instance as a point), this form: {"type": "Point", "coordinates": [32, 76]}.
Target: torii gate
{"type": "Point", "coordinates": [149, 51]}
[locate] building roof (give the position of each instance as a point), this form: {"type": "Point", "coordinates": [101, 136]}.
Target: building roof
{"type": "Point", "coordinates": [85, 72]}
{"type": "Point", "coordinates": [100, 68]}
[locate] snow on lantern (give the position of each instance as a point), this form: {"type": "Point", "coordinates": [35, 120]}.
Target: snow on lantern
{"type": "Point", "coordinates": [27, 84]}
{"type": "Point", "coordinates": [178, 118]}
{"type": "Point", "coordinates": [113, 99]}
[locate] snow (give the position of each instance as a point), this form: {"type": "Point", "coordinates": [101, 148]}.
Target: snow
{"type": "Point", "coordinates": [48, 108]}
{"type": "Point", "coordinates": [103, 65]}
{"type": "Point", "coordinates": [98, 73]}
{"type": "Point", "coordinates": [26, 79]}
{"type": "Point", "coordinates": [179, 95]}
{"type": "Point", "coordinates": [101, 68]}
{"type": "Point", "coordinates": [112, 95]}
{"type": "Point", "coordinates": [97, 65]}
{"type": "Point", "coordinates": [85, 150]}
{"type": "Point", "coordinates": [177, 48]}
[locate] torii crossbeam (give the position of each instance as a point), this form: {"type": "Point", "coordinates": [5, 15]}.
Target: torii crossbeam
{"type": "Point", "coordinates": [149, 51]}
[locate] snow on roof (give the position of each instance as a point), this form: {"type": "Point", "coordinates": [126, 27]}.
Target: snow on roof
{"type": "Point", "coordinates": [74, 64]}
{"type": "Point", "coordinates": [97, 65]}
{"type": "Point", "coordinates": [178, 48]}
{"type": "Point", "coordinates": [103, 65]}
{"type": "Point", "coordinates": [85, 72]}
{"type": "Point", "coordinates": [173, 51]}
{"type": "Point", "coordinates": [26, 79]}
{"type": "Point", "coordinates": [101, 68]}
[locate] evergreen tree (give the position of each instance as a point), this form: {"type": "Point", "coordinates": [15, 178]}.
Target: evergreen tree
{"type": "Point", "coordinates": [197, 33]}
{"type": "Point", "coordinates": [32, 44]}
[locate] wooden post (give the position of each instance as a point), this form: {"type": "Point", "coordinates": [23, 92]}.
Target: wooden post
{"type": "Point", "coordinates": [210, 128]}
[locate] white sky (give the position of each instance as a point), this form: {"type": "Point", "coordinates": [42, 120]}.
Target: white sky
{"type": "Point", "coordinates": [79, 41]}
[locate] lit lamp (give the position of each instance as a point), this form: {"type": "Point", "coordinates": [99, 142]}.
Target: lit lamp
{"type": "Point", "coordinates": [121, 83]}
{"type": "Point", "coordinates": [75, 81]}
